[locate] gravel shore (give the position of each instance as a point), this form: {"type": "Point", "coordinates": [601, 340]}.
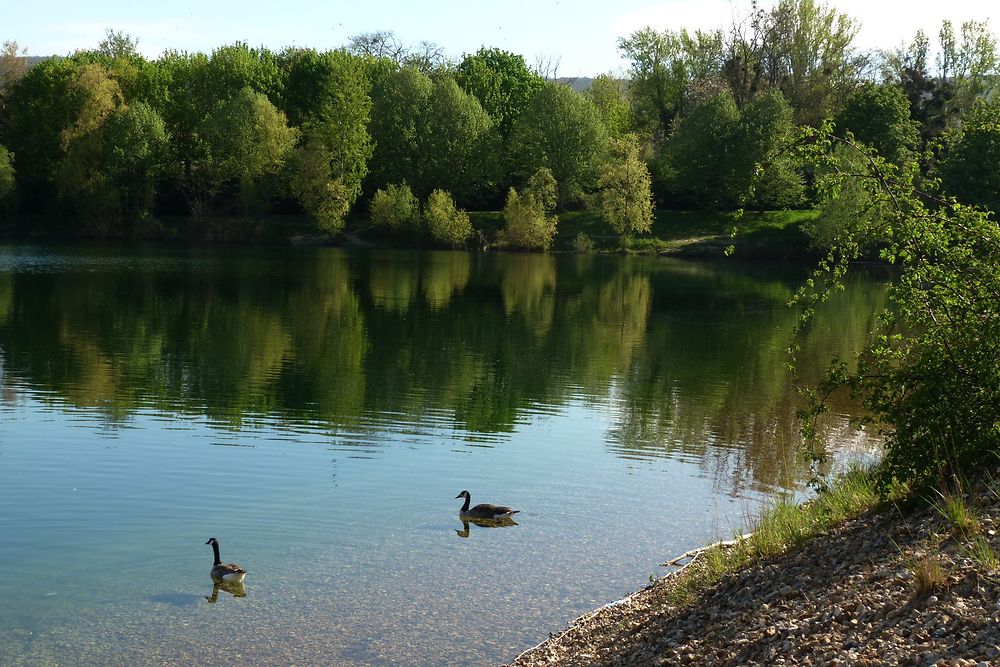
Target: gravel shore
{"type": "Point", "coordinates": [889, 588]}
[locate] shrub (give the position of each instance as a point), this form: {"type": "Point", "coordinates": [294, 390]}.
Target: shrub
{"type": "Point", "coordinates": [528, 224]}
{"type": "Point", "coordinates": [446, 223]}
{"type": "Point", "coordinates": [584, 244]}
{"type": "Point", "coordinates": [395, 207]}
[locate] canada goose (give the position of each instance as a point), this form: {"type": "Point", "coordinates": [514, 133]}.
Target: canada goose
{"type": "Point", "coordinates": [483, 510]}
{"type": "Point", "coordinates": [224, 571]}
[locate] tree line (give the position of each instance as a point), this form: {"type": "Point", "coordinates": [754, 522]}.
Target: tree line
{"type": "Point", "coordinates": [110, 143]}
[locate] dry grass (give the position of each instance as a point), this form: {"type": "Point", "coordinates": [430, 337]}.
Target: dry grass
{"type": "Point", "coordinates": [928, 576]}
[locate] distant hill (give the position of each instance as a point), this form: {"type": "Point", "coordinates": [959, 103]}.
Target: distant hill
{"type": "Point", "coordinates": [577, 83]}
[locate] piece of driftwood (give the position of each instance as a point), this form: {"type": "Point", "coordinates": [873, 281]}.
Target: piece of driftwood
{"type": "Point", "coordinates": [693, 553]}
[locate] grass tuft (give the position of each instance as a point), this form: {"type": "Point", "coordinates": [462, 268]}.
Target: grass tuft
{"type": "Point", "coordinates": [928, 576]}
{"type": "Point", "coordinates": [954, 509]}
{"type": "Point", "coordinates": [982, 554]}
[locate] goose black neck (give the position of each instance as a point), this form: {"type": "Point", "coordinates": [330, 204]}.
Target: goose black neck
{"type": "Point", "coordinates": [215, 550]}
{"type": "Point", "coordinates": [465, 506]}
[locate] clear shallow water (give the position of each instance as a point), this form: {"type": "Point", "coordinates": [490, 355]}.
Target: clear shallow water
{"type": "Point", "coordinates": [318, 410]}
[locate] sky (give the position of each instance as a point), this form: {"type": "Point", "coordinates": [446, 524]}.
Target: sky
{"type": "Point", "coordinates": [580, 36]}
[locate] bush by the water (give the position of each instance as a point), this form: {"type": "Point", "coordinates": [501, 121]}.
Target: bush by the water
{"type": "Point", "coordinates": [446, 224]}
{"type": "Point", "coordinates": [931, 377]}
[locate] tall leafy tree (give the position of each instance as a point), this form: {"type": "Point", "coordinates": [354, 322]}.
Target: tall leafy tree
{"type": "Point", "coordinates": [134, 150]}
{"type": "Point", "coordinates": [453, 146]}
{"type": "Point", "coordinates": [666, 68]}
{"type": "Point", "coordinates": [38, 108]}
{"type": "Point", "coordinates": [765, 173]}
{"type": "Point", "coordinates": [968, 167]}
{"type": "Point", "coordinates": [967, 64]}
{"type": "Point", "coordinates": [719, 156]}
{"type": "Point", "coordinates": [502, 82]}
{"type": "Point", "coordinates": [81, 175]}
{"type": "Point", "coordinates": [695, 159]}
{"type": "Point", "coordinates": [909, 68]}
{"type": "Point", "coordinates": [13, 67]}
{"type": "Point", "coordinates": [879, 116]}
{"type": "Point", "coordinates": [608, 95]}
{"type": "Point", "coordinates": [562, 131]}
{"type": "Point", "coordinates": [626, 201]}
{"type": "Point", "coordinates": [329, 93]}
{"type": "Point", "coordinates": [248, 142]}
{"type": "Point", "coordinates": [812, 58]}
{"type": "Point", "coordinates": [397, 126]}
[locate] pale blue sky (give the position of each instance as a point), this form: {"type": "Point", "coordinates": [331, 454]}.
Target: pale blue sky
{"type": "Point", "coordinates": [580, 34]}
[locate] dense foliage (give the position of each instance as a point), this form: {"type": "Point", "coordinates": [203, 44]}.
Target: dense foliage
{"type": "Point", "coordinates": [109, 143]}
{"type": "Point", "coordinates": [929, 377]}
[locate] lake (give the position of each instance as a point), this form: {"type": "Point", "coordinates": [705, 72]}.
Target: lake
{"type": "Point", "coordinates": [317, 410]}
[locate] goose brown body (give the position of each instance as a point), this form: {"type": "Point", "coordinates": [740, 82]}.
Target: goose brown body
{"type": "Point", "coordinates": [224, 571]}
{"type": "Point", "coordinates": [483, 510]}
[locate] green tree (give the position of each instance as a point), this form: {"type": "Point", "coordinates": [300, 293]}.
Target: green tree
{"type": "Point", "coordinates": [81, 176]}
{"type": "Point", "coordinates": [395, 208]}
{"type": "Point", "coordinates": [666, 68]}
{"type": "Point", "coordinates": [502, 83]}
{"type": "Point", "coordinates": [452, 147]}
{"type": "Point", "coordinates": [879, 116]}
{"type": "Point", "coordinates": [118, 44]}
{"type": "Point", "coordinates": [329, 93]}
{"type": "Point", "coordinates": [695, 158]}
{"type": "Point", "coordinates": [248, 142]}
{"type": "Point", "coordinates": [446, 224]}
{"type": "Point", "coordinates": [13, 67]}
{"type": "Point", "coordinates": [967, 67]}
{"type": "Point", "coordinates": [134, 150]}
{"type": "Point", "coordinates": [626, 201]}
{"type": "Point", "coordinates": [397, 125]}
{"type": "Point", "coordinates": [38, 108]}
{"type": "Point", "coordinates": [968, 166]}
{"type": "Point", "coordinates": [813, 60]}
{"type": "Point", "coordinates": [608, 95]}
{"type": "Point", "coordinates": [909, 69]}
{"type": "Point", "coordinates": [720, 157]}
{"type": "Point", "coordinates": [562, 131]}
{"type": "Point", "coordinates": [528, 220]}
{"type": "Point", "coordinates": [764, 173]}
{"type": "Point", "coordinates": [234, 67]}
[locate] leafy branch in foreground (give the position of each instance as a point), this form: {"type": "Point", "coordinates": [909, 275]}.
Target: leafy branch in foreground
{"type": "Point", "coordinates": [930, 377]}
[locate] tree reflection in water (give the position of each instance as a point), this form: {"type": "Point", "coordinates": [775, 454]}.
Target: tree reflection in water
{"type": "Point", "coordinates": [688, 356]}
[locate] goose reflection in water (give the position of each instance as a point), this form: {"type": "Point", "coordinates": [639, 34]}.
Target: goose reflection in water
{"type": "Point", "coordinates": [235, 588]}
{"type": "Point", "coordinates": [502, 522]}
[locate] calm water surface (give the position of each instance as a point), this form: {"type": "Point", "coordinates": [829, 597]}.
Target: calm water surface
{"type": "Point", "coordinates": [318, 410]}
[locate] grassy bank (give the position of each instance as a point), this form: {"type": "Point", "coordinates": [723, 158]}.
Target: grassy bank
{"type": "Point", "coordinates": [780, 527]}
{"type": "Point", "coordinates": [772, 234]}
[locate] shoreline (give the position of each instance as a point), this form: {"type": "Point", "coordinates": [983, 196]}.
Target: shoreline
{"type": "Point", "coordinates": [888, 586]}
